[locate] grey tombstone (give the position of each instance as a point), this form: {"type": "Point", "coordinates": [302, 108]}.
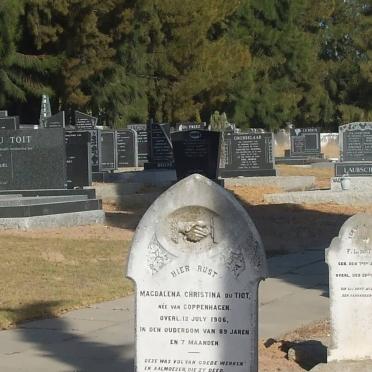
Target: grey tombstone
{"type": "Point", "coordinates": [45, 110]}
{"type": "Point", "coordinates": [355, 150]}
{"type": "Point", "coordinates": [32, 159]}
{"type": "Point", "coordinates": [247, 154]}
{"type": "Point", "coordinates": [197, 260]}
{"type": "Point", "coordinates": [85, 121]}
{"type": "Point", "coordinates": [350, 283]}
{"type": "Point", "coordinates": [142, 140]}
{"type": "Point", "coordinates": [9, 122]}
{"type": "Point", "coordinates": [127, 146]}
{"type": "Point", "coordinates": [160, 147]}
{"type": "Point", "coordinates": [305, 142]}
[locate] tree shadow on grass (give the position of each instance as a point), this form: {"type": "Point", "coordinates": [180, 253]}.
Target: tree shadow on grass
{"type": "Point", "coordinates": [64, 348]}
{"type": "Point", "coordinates": [289, 228]}
{"type": "Point", "coordinates": [303, 232]}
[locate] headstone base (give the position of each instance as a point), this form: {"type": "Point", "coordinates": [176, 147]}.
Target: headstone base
{"type": "Point", "coordinates": [357, 184]}
{"type": "Point", "coordinates": [54, 220]}
{"type": "Point", "coordinates": [300, 160]}
{"type": "Point", "coordinates": [247, 173]}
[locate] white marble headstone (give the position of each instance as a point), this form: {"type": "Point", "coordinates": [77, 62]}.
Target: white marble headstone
{"type": "Point", "coordinates": [197, 260]}
{"type": "Point", "coordinates": [350, 283]}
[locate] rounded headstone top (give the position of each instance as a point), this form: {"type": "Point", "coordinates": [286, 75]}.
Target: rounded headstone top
{"type": "Point", "coordinates": [197, 220]}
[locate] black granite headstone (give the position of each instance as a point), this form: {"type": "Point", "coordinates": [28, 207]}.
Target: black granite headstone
{"type": "Point", "coordinates": [247, 154]}
{"type": "Point", "coordinates": [107, 151]}
{"type": "Point", "coordinates": [305, 142]}
{"type": "Point", "coordinates": [78, 155]}
{"type": "Point", "coordinates": [55, 121]}
{"type": "Point", "coordinates": [127, 146]}
{"type": "Point", "coordinates": [196, 151]}
{"type": "Point", "coordinates": [32, 159]}
{"type": "Point", "coordinates": [142, 140]}
{"type": "Point", "coordinates": [84, 121]}
{"type": "Point", "coordinates": [160, 147]}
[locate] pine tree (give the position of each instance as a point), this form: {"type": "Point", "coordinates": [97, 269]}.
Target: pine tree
{"type": "Point", "coordinates": [20, 74]}
{"type": "Point", "coordinates": [191, 60]}
{"type": "Point", "coordinates": [347, 50]}
{"type": "Point", "coordinates": [284, 83]}
{"type": "Point", "coordinates": [72, 30]}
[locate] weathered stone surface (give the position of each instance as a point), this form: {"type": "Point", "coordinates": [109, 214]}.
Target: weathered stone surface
{"type": "Point", "coordinates": [350, 282]}
{"type": "Point", "coordinates": [357, 184]}
{"type": "Point", "coordinates": [197, 259]}
{"type": "Point", "coordinates": [355, 141]}
{"type": "Point", "coordinates": [54, 220]}
{"type": "Point", "coordinates": [348, 197]}
{"type": "Point", "coordinates": [345, 366]}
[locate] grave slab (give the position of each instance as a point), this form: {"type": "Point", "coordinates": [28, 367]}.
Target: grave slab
{"type": "Point", "coordinates": [80, 218]}
{"type": "Point", "coordinates": [346, 197]}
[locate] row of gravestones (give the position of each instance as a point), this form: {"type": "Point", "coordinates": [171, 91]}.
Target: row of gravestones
{"type": "Point", "coordinates": [197, 269]}
{"type": "Point", "coordinates": [54, 158]}
{"type": "Point", "coordinates": [241, 154]}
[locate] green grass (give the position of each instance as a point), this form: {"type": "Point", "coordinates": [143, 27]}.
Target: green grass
{"type": "Point", "coordinates": [45, 277]}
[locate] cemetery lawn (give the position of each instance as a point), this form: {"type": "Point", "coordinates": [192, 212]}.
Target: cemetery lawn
{"type": "Point", "coordinates": [45, 274]}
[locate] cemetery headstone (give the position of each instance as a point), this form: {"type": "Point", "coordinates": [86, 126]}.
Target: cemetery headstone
{"type": "Point", "coordinates": [107, 151]}
{"type": "Point", "coordinates": [350, 283]}
{"type": "Point", "coordinates": [247, 154]}
{"type": "Point", "coordinates": [160, 147]}
{"type": "Point", "coordinates": [95, 139]}
{"type": "Point", "coordinates": [32, 159]}
{"type": "Point", "coordinates": [85, 121]}
{"type": "Point", "coordinates": [127, 146]}
{"type": "Point", "coordinates": [197, 260]}
{"type": "Point", "coordinates": [9, 122]}
{"type": "Point", "coordinates": [191, 126]}
{"type": "Point", "coordinates": [56, 120]}
{"type": "Point", "coordinates": [355, 150]}
{"type": "Point", "coordinates": [142, 140]}
{"type": "Point", "coordinates": [78, 157]}
{"type": "Point", "coordinates": [45, 110]}
{"type": "Point", "coordinates": [196, 151]}
{"type": "Point", "coordinates": [305, 142]}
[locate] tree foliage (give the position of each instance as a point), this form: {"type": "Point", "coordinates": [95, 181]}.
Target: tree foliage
{"type": "Point", "coordinates": [265, 63]}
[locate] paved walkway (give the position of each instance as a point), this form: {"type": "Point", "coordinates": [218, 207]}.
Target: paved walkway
{"type": "Point", "coordinates": [101, 338]}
